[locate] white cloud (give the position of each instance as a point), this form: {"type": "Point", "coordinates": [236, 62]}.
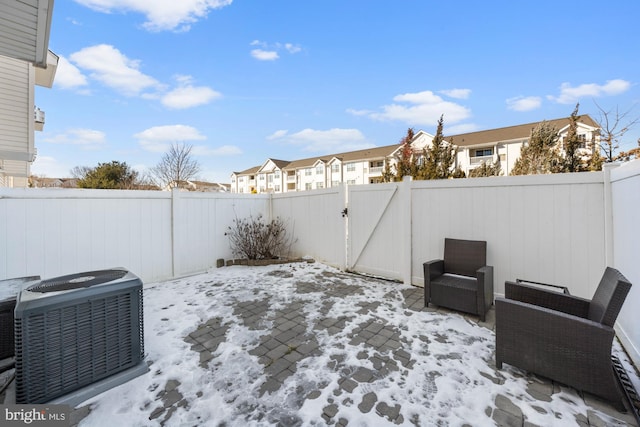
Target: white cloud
{"type": "Point", "coordinates": [570, 95]}
{"type": "Point", "coordinates": [269, 51]}
{"type": "Point", "coordinates": [68, 76]}
{"type": "Point", "coordinates": [265, 55]}
{"type": "Point", "coordinates": [174, 15]}
{"type": "Point", "coordinates": [187, 95]}
{"type": "Point", "coordinates": [325, 141]}
{"type": "Point", "coordinates": [423, 109]}
{"type": "Point", "coordinates": [160, 138]}
{"type": "Point", "coordinates": [88, 139]}
{"type": "Point", "coordinates": [50, 167]}
{"type": "Point", "coordinates": [521, 103]}
{"type": "Point", "coordinates": [291, 48]}
{"type": "Point", "coordinates": [461, 128]}
{"type": "Point", "coordinates": [457, 93]}
{"type": "Point", "coordinates": [278, 134]}
{"type": "Point", "coordinates": [113, 69]}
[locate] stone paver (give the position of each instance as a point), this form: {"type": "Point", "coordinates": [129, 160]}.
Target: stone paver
{"type": "Point", "coordinates": [291, 341]}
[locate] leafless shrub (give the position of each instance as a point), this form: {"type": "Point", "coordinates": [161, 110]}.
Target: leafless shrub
{"type": "Point", "coordinates": [254, 238]}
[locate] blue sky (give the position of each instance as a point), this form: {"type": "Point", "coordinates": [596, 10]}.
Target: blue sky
{"type": "Point", "coordinates": [243, 81]}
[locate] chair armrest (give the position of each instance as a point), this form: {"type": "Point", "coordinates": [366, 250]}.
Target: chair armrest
{"type": "Point", "coordinates": [433, 269]}
{"type": "Point", "coordinates": [568, 304]}
{"type": "Point", "coordinates": [564, 289]}
{"type": "Point", "coordinates": [558, 345]}
{"type": "Point", "coordinates": [484, 276]}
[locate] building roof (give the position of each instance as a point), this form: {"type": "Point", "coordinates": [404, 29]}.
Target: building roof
{"type": "Point", "coordinates": [367, 153]}
{"type": "Point", "coordinates": [511, 133]}
{"type": "Point", "coordinates": [249, 171]}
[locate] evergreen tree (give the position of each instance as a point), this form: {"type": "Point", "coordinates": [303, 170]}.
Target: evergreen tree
{"type": "Point", "coordinates": [486, 169]}
{"type": "Point", "coordinates": [438, 158]}
{"type": "Point", "coordinates": [114, 175]}
{"type": "Point", "coordinates": [407, 163]}
{"type": "Point", "coordinates": [596, 160]}
{"type": "Point", "coordinates": [572, 161]}
{"type": "Point", "coordinates": [539, 156]}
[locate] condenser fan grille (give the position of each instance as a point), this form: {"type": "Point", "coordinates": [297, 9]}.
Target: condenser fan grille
{"type": "Point", "coordinates": [77, 281]}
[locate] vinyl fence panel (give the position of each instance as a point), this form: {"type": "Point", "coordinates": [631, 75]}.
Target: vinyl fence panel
{"type": "Point", "coordinates": [625, 195]}
{"type": "Point", "coordinates": [315, 222]}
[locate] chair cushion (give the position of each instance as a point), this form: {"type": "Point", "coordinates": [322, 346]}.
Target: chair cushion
{"type": "Point", "coordinates": [456, 281]}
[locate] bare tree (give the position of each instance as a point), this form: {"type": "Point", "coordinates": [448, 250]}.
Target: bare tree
{"type": "Point", "coordinates": [613, 125]}
{"type": "Point", "coordinates": [175, 167]}
{"type": "Point", "coordinates": [80, 171]}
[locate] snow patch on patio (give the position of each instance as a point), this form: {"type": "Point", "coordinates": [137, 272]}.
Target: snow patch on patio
{"type": "Point", "coordinates": [451, 379]}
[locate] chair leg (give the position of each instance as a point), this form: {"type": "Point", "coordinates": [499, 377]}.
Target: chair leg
{"type": "Point", "coordinates": [426, 296]}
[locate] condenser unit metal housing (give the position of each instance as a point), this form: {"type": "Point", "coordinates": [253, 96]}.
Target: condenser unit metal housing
{"type": "Point", "coordinates": [77, 336]}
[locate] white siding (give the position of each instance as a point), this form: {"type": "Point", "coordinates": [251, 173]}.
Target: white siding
{"type": "Point", "coordinates": [24, 29]}
{"type": "Point", "coordinates": [16, 113]}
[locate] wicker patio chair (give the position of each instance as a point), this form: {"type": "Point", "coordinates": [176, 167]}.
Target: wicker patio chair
{"type": "Point", "coordinates": [461, 281]}
{"type": "Point", "coordinates": [563, 337]}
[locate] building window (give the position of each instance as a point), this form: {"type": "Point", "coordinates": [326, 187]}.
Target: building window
{"type": "Point", "coordinates": [351, 182]}
{"type": "Point", "coordinates": [319, 185]}
{"type": "Point", "coordinates": [319, 170]}
{"type": "Point", "coordinates": [351, 167]}
{"type": "Point", "coordinates": [484, 152]}
{"type": "Point", "coordinates": [270, 178]}
{"type": "Point", "coordinates": [335, 183]}
{"type": "Point", "coordinates": [308, 171]}
{"type": "Point", "coordinates": [335, 167]}
{"type": "Point", "coordinates": [252, 177]}
{"type": "Point", "coordinates": [276, 174]}
{"type": "Point", "coordinates": [261, 177]}
{"type": "Point", "coordinates": [307, 186]}
{"type": "Point", "coordinates": [276, 188]}
{"type": "Point", "coordinates": [583, 140]}
{"type": "Point", "coordinates": [376, 164]}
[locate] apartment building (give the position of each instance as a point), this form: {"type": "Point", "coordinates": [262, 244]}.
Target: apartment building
{"type": "Point", "coordinates": [501, 145]}
{"type": "Point", "coordinates": [25, 61]}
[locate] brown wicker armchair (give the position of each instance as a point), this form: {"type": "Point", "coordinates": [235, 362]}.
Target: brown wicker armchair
{"type": "Point", "coordinates": [461, 281]}
{"type": "Point", "coordinates": [563, 337]}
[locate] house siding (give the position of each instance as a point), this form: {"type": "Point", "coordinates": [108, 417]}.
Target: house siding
{"type": "Point", "coordinates": [24, 29]}
{"type": "Point", "coordinates": [16, 113]}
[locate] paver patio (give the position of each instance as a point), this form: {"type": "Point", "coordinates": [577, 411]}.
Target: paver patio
{"type": "Point", "coordinates": [371, 354]}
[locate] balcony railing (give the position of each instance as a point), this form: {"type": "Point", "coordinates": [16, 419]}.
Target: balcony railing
{"type": "Point", "coordinates": [481, 159]}
{"type": "Point", "coordinates": [38, 116]}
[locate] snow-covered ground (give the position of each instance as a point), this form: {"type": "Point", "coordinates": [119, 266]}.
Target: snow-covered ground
{"type": "Point", "coordinates": [451, 379]}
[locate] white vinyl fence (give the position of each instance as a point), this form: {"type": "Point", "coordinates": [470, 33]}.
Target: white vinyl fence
{"type": "Point", "coordinates": [563, 229]}
{"type": "Point", "coordinates": [157, 235]}
{"type": "Point", "coordinates": [315, 222]}
{"type": "Point", "coordinates": [625, 232]}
